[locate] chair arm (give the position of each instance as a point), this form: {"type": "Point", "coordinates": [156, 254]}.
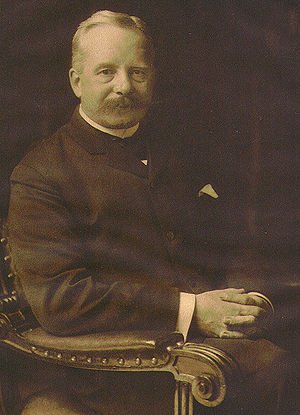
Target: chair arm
{"type": "Point", "coordinates": [199, 370]}
{"type": "Point", "coordinates": [98, 351]}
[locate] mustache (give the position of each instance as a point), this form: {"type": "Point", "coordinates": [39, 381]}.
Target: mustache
{"type": "Point", "coordinates": [129, 102]}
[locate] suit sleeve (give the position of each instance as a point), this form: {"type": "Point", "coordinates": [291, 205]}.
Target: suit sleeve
{"type": "Point", "coordinates": [67, 293]}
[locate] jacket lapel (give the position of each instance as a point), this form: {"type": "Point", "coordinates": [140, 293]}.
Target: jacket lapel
{"type": "Point", "coordinates": [103, 145]}
{"type": "Point", "coordinates": [118, 157]}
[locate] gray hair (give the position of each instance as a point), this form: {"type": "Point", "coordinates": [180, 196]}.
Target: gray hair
{"type": "Point", "coordinates": [112, 18]}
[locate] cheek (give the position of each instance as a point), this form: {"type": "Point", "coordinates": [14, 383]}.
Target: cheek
{"type": "Point", "coordinates": [102, 91]}
{"type": "Point", "coordinates": [96, 90]}
{"type": "Point", "coordinates": [144, 89]}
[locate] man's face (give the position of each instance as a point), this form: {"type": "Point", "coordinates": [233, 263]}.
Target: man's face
{"type": "Point", "coordinates": [116, 82]}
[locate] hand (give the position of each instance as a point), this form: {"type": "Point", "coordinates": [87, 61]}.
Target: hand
{"type": "Point", "coordinates": [214, 307]}
{"type": "Point", "coordinates": [249, 325]}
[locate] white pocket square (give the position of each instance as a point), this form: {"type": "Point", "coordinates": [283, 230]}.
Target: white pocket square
{"type": "Point", "coordinates": [208, 190]}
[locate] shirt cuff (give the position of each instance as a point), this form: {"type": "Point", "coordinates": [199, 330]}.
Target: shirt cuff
{"type": "Point", "coordinates": [263, 297]}
{"type": "Point", "coordinates": [187, 303]}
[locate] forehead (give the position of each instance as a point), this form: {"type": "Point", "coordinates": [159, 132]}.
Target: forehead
{"type": "Point", "coordinates": [110, 43]}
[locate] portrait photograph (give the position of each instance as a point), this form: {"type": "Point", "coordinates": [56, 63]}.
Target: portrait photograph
{"type": "Point", "coordinates": [149, 207]}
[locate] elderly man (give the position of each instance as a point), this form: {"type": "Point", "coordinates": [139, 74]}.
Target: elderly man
{"type": "Point", "coordinates": [107, 232]}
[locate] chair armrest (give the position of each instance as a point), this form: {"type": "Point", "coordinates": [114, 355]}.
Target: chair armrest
{"type": "Point", "coordinates": [201, 371]}
{"type": "Point", "coordinates": [99, 351]}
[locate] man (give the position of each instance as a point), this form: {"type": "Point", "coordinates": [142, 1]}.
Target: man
{"type": "Point", "coordinates": [107, 232]}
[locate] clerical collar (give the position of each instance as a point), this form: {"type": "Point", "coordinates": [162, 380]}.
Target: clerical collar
{"type": "Point", "coordinates": [121, 133]}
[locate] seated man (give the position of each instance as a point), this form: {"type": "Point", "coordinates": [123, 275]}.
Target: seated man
{"type": "Point", "coordinates": [107, 232]}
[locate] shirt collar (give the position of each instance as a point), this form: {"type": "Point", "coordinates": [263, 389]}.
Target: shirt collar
{"type": "Point", "coordinates": [121, 133]}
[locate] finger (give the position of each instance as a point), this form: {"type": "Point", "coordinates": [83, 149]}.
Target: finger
{"type": "Point", "coordinates": [233, 290]}
{"type": "Point", "coordinates": [260, 301]}
{"type": "Point", "coordinates": [226, 334]}
{"type": "Point", "coordinates": [240, 298]}
{"type": "Point", "coordinates": [239, 320]}
{"type": "Point", "coordinates": [251, 310]}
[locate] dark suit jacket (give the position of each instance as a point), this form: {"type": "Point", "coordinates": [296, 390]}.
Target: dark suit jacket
{"type": "Point", "coordinates": [100, 243]}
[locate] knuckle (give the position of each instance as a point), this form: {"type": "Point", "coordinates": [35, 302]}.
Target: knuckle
{"type": "Point", "coordinates": [242, 310]}
{"type": "Point", "coordinates": [248, 300]}
{"type": "Point", "coordinates": [244, 299]}
{"type": "Point", "coordinates": [247, 310]}
{"type": "Point", "coordinates": [255, 300]}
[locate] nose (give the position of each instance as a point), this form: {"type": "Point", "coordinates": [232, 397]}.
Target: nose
{"type": "Point", "coordinates": [122, 83]}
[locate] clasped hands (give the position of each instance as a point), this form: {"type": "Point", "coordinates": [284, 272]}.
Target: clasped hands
{"type": "Point", "coordinates": [230, 313]}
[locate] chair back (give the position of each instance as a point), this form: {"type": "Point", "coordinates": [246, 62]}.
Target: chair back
{"type": "Point", "coordinates": [8, 298]}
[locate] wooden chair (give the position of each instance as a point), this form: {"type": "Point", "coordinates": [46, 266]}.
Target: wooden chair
{"type": "Point", "coordinates": [201, 372]}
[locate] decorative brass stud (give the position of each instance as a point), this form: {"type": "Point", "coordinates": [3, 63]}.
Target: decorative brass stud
{"type": "Point", "coordinates": [59, 355]}
{"type": "Point", "coordinates": [33, 348]}
{"type": "Point", "coordinates": [7, 258]}
{"type": "Point", "coordinates": [104, 361]}
{"type": "Point", "coordinates": [73, 359]}
{"type": "Point", "coordinates": [154, 360]}
{"type": "Point", "coordinates": [3, 241]}
{"type": "Point", "coordinates": [89, 360]}
{"type": "Point", "coordinates": [11, 275]}
{"type": "Point", "coordinates": [170, 235]}
{"type": "Point", "coordinates": [121, 361]}
{"type": "Point", "coordinates": [138, 361]}
{"type": "Point", "coordinates": [169, 348]}
{"type": "Point", "coordinates": [46, 353]}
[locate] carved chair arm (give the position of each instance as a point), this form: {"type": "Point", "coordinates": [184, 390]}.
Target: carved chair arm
{"type": "Point", "coordinates": [200, 371]}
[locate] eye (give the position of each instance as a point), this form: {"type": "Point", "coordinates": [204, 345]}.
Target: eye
{"type": "Point", "coordinates": [139, 75]}
{"type": "Point", "coordinates": [106, 74]}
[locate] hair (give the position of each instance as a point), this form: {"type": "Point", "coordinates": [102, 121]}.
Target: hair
{"type": "Point", "coordinates": [111, 18]}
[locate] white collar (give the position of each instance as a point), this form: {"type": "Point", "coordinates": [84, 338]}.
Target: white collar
{"type": "Point", "coordinates": [121, 133]}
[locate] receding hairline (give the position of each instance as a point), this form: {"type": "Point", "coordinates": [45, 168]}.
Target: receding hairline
{"type": "Point", "coordinates": [107, 18]}
{"type": "Point", "coordinates": [84, 35]}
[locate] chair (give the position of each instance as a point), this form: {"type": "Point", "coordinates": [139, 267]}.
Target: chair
{"type": "Point", "coordinates": [201, 372]}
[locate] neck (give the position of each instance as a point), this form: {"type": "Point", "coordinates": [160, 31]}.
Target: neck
{"type": "Point", "coordinates": [117, 132]}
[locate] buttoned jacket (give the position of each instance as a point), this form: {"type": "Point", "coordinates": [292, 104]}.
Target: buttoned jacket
{"type": "Point", "coordinates": [99, 241]}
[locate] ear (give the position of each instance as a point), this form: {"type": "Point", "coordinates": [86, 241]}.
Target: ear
{"type": "Point", "coordinates": [75, 82]}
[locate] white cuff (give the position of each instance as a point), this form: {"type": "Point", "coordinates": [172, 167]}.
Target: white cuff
{"type": "Point", "coordinates": [187, 303]}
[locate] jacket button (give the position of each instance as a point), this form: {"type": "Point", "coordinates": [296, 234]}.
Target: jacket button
{"type": "Point", "coordinates": [170, 235]}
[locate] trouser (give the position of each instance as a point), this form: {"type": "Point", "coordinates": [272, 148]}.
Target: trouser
{"type": "Point", "coordinates": [268, 385]}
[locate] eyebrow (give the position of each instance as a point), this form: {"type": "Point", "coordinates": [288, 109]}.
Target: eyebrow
{"type": "Point", "coordinates": [104, 65]}
{"type": "Point", "coordinates": [141, 67]}
{"type": "Point", "coordinates": [112, 65]}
